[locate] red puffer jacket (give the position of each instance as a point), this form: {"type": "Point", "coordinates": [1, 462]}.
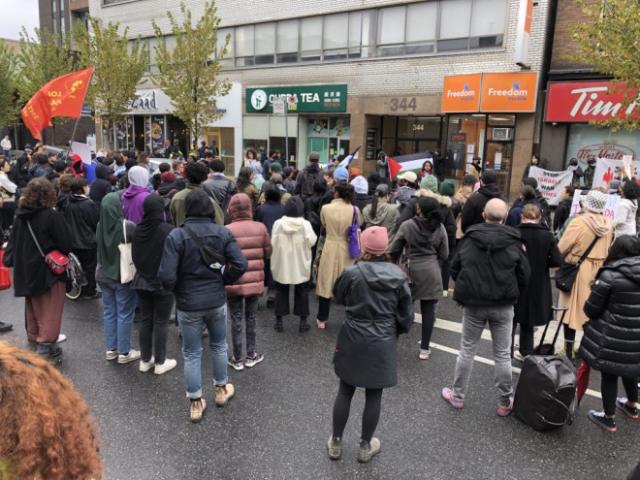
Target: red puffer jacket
{"type": "Point", "coordinates": [255, 243]}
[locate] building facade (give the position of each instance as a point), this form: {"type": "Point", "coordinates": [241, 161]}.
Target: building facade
{"type": "Point", "coordinates": [371, 75]}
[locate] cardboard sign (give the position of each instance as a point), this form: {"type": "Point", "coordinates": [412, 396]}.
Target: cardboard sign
{"type": "Point", "coordinates": [551, 184]}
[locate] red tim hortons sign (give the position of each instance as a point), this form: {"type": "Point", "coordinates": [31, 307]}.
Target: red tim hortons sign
{"type": "Point", "coordinates": [589, 101]}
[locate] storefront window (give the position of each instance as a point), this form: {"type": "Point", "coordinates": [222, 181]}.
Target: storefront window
{"type": "Point", "coordinates": [465, 140]}
{"type": "Point", "coordinates": [586, 140]}
{"type": "Point", "coordinates": [329, 136]}
{"type": "Point", "coordinates": [406, 135]}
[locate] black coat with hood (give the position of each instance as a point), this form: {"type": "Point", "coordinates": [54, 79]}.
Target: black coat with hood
{"type": "Point", "coordinates": [31, 275]}
{"type": "Point", "coordinates": [82, 215]}
{"type": "Point", "coordinates": [611, 342]}
{"type": "Point", "coordinates": [306, 179]}
{"type": "Point", "coordinates": [378, 308]}
{"type": "Point", "coordinates": [102, 183]}
{"type": "Point", "coordinates": [473, 208]}
{"type": "Point", "coordinates": [490, 267]}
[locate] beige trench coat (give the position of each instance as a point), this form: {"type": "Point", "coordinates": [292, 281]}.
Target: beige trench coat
{"type": "Point", "coordinates": [336, 218]}
{"type": "Point", "coordinates": [574, 242]}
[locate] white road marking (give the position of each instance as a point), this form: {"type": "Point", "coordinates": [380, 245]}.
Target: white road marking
{"type": "Point", "coordinates": [486, 335]}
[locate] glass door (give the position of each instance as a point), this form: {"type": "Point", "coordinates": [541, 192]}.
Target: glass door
{"type": "Point", "coordinates": [319, 145]}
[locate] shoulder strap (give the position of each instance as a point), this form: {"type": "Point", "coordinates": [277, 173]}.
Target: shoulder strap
{"type": "Point", "coordinates": [124, 229]}
{"type": "Point", "coordinates": [35, 240]}
{"type": "Point", "coordinates": [191, 234]}
{"type": "Point", "coordinates": [588, 251]}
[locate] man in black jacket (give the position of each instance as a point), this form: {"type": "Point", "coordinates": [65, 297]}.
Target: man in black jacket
{"type": "Point", "coordinates": [307, 177]}
{"type": "Point", "coordinates": [474, 207]}
{"type": "Point", "coordinates": [219, 187]}
{"type": "Point", "coordinates": [490, 270]}
{"type": "Point", "coordinates": [200, 296]}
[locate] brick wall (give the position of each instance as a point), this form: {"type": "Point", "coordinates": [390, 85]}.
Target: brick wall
{"type": "Point", "coordinates": [568, 16]}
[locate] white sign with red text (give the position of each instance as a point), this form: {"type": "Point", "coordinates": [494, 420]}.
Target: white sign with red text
{"type": "Point", "coordinates": [610, 208]}
{"type": "Point", "coordinates": [551, 184]}
{"type": "Point", "coordinates": [608, 169]}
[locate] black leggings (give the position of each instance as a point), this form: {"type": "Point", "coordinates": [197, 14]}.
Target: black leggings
{"type": "Point", "coordinates": [609, 389]}
{"type": "Point", "coordinates": [370, 416]}
{"type": "Point", "coordinates": [428, 312]}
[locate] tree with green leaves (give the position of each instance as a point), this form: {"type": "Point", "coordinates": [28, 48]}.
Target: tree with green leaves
{"type": "Point", "coordinates": [119, 66]}
{"type": "Point", "coordinates": [608, 40]}
{"type": "Point", "coordinates": [8, 65]}
{"type": "Point", "coordinates": [189, 72]}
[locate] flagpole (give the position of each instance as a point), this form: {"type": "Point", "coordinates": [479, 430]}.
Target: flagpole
{"type": "Point", "coordinates": [75, 126]}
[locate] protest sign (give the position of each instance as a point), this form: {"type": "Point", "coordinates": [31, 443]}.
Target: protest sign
{"type": "Point", "coordinates": [609, 210]}
{"type": "Point", "coordinates": [608, 169]}
{"type": "Point", "coordinates": [551, 184]}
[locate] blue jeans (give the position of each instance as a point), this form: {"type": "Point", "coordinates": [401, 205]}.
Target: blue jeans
{"type": "Point", "coordinates": [191, 324]}
{"type": "Point", "coordinates": [119, 303]}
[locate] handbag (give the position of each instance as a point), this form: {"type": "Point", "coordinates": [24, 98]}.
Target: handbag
{"type": "Point", "coordinates": [55, 259]}
{"type": "Point", "coordinates": [127, 267]}
{"type": "Point", "coordinates": [5, 273]}
{"type": "Point", "coordinates": [353, 235]}
{"type": "Point", "coordinates": [566, 275]}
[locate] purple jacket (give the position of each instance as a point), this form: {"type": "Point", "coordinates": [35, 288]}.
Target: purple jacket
{"type": "Point", "coordinates": [132, 203]}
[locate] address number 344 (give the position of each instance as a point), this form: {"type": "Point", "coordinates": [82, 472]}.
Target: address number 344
{"type": "Point", "coordinates": [403, 104]}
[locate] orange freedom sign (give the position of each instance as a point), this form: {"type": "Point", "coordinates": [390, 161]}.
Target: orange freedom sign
{"type": "Point", "coordinates": [509, 92]}
{"type": "Point", "coordinates": [461, 93]}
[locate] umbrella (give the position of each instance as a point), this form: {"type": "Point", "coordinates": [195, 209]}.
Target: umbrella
{"type": "Point", "coordinates": [583, 379]}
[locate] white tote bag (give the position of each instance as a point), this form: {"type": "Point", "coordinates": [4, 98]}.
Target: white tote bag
{"type": "Point", "coordinates": [127, 268]}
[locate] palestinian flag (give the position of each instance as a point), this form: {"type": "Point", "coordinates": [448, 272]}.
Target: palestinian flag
{"type": "Point", "coordinates": [404, 163]}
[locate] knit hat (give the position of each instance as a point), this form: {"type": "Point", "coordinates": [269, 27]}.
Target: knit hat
{"type": "Point", "coordinates": [360, 184]}
{"type": "Point", "coordinates": [341, 174]}
{"type": "Point", "coordinates": [429, 182]}
{"type": "Point", "coordinates": [275, 167]}
{"type": "Point", "coordinates": [448, 188]}
{"type": "Point", "coordinates": [374, 240]}
{"type": "Point", "coordinates": [594, 201]}
{"type": "Point", "coordinates": [168, 177]}
{"type": "Point", "coordinates": [409, 176]}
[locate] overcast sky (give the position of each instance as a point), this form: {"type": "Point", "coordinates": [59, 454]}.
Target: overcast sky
{"type": "Point", "coordinates": [15, 14]}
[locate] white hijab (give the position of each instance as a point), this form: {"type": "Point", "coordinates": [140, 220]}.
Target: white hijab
{"type": "Point", "coordinates": [139, 176]}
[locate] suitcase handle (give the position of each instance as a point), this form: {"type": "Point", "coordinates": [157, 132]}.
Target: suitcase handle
{"type": "Point", "coordinates": [546, 327]}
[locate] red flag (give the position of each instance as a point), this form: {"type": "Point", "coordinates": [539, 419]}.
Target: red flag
{"type": "Point", "coordinates": [394, 167]}
{"type": "Point", "coordinates": [61, 97]}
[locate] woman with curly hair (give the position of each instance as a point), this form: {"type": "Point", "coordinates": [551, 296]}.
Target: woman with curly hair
{"type": "Point", "coordinates": [38, 229]}
{"type": "Point", "coordinates": [47, 431]}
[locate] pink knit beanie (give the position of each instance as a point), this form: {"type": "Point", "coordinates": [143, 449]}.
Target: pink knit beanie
{"type": "Point", "coordinates": [375, 240]}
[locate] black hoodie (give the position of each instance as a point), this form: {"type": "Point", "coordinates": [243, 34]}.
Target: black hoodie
{"type": "Point", "coordinates": [102, 184]}
{"type": "Point", "coordinates": [473, 208]}
{"type": "Point", "coordinates": [31, 275]}
{"type": "Point", "coordinates": [306, 179]}
{"type": "Point", "coordinates": [490, 267]}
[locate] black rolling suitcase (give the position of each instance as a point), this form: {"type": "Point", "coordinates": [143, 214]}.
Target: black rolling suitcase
{"type": "Point", "coordinates": [546, 392]}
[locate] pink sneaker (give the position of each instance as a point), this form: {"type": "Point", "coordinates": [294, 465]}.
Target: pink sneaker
{"type": "Point", "coordinates": [505, 410]}
{"type": "Point", "coordinates": [321, 325]}
{"type": "Point", "coordinates": [447, 394]}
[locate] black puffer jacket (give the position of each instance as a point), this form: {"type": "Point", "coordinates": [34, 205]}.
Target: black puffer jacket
{"type": "Point", "coordinates": [473, 208]}
{"type": "Point", "coordinates": [82, 215]}
{"type": "Point", "coordinates": [31, 275]}
{"type": "Point", "coordinates": [611, 341]}
{"type": "Point", "coordinates": [378, 308]}
{"type": "Point", "coordinates": [490, 267]}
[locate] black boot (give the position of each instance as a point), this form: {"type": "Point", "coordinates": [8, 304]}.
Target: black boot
{"type": "Point", "coordinates": [304, 325]}
{"type": "Point", "coordinates": [568, 347]}
{"type": "Point", "coordinates": [278, 326]}
{"type": "Point", "coordinates": [51, 352]}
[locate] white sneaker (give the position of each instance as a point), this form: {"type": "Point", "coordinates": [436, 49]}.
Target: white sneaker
{"type": "Point", "coordinates": [111, 354]}
{"type": "Point", "coordinates": [518, 356]}
{"type": "Point", "coordinates": [61, 338]}
{"type": "Point", "coordinates": [146, 366]}
{"type": "Point", "coordinates": [169, 364]}
{"type": "Point", "coordinates": [424, 354]}
{"type": "Point", "coordinates": [132, 356]}
{"type": "Point", "coordinates": [445, 293]}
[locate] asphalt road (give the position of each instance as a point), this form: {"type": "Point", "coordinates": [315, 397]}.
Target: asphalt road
{"type": "Point", "coordinates": [278, 424]}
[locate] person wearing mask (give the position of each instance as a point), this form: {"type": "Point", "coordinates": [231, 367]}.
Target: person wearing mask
{"type": "Point", "coordinates": [490, 270]}
{"type": "Point", "coordinates": [362, 198]}
{"type": "Point", "coordinates": [472, 213]}
{"type": "Point", "coordinates": [423, 240]}
{"type": "Point", "coordinates": [8, 191]}
{"type": "Point", "coordinates": [133, 197]}
{"type": "Point", "coordinates": [219, 187]}
{"type": "Point", "coordinates": [611, 342]}
{"type": "Point", "coordinates": [309, 176]}
{"type": "Point", "coordinates": [336, 218]}
{"type": "Point", "coordinates": [196, 173]}
{"type": "Point", "coordinates": [534, 305]}
{"type": "Point", "coordinates": [624, 222]}
{"type": "Point", "coordinates": [589, 173]}
{"type": "Point", "coordinates": [589, 230]}
{"type": "Point", "coordinates": [102, 184]}
{"type": "Point", "coordinates": [155, 302]}
{"type": "Point", "coordinates": [119, 300]}
{"type": "Point", "coordinates": [293, 239]}
{"type": "Point", "coordinates": [563, 210]}
{"type": "Point", "coordinates": [378, 308]}
{"type": "Point", "coordinates": [37, 230]}
{"type": "Point", "coordinates": [243, 294]}
{"type": "Point", "coordinates": [191, 267]}
{"type": "Point", "coordinates": [82, 215]}
{"type": "Point", "coordinates": [577, 173]}
{"type": "Point", "coordinates": [381, 213]}
{"type": "Point", "coordinates": [244, 184]}
{"type": "Point", "coordinates": [460, 199]}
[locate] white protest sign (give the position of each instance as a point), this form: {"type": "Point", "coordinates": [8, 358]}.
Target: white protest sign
{"type": "Point", "coordinates": [608, 169]}
{"type": "Point", "coordinates": [610, 208]}
{"type": "Point", "coordinates": [83, 150]}
{"type": "Point", "coordinates": [551, 184]}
